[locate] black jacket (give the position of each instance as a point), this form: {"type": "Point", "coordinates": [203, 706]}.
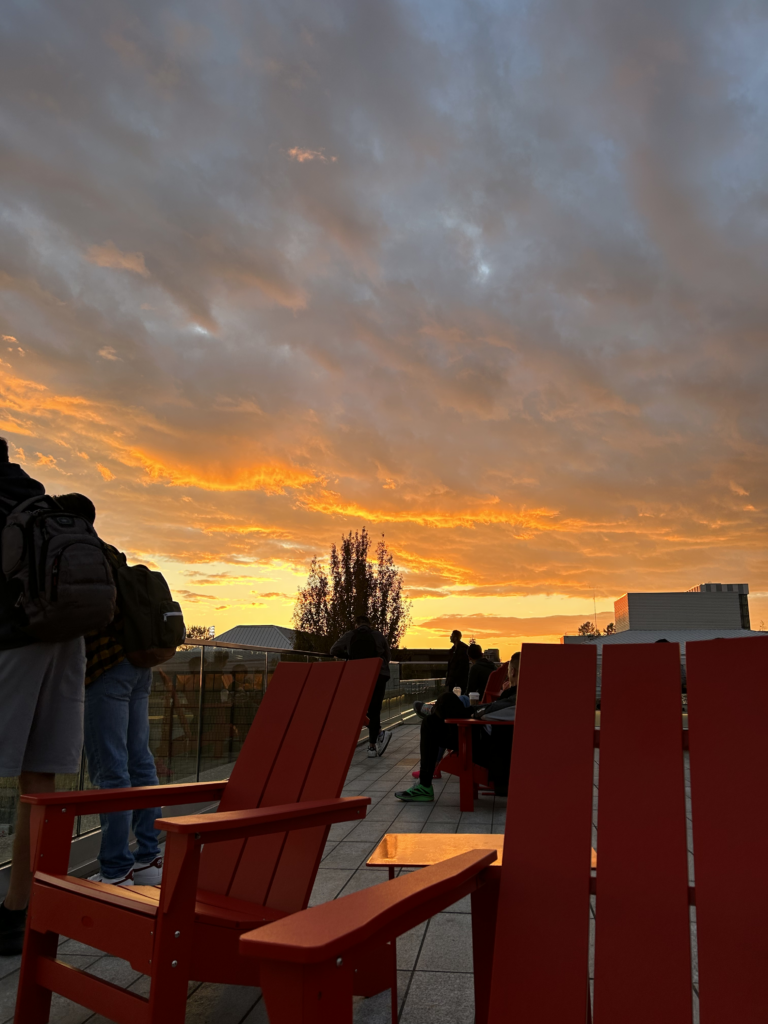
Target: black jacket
{"type": "Point", "coordinates": [15, 486]}
{"type": "Point", "coordinates": [341, 648]}
{"type": "Point", "coordinates": [457, 672]}
{"type": "Point", "coordinates": [478, 676]}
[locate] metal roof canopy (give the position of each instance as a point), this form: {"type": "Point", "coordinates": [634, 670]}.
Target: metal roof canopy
{"type": "Point", "coordinates": [277, 637]}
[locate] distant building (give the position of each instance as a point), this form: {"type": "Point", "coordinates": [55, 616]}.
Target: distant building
{"type": "Point", "coordinates": [279, 637]}
{"type": "Point", "coordinates": [711, 611]}
{"type": "Point", "coordinates": [708, 606]}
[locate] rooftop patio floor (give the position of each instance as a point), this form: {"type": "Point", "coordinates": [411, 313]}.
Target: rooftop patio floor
{"type": "Point", "coordinates": [434, 960]}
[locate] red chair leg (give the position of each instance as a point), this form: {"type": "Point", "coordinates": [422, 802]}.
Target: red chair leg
{"type": "Point", "coordinates": [33, 1002]}
{"type": "Point", "coordinates": [485, 901]}
{"type": "Point", "coordinates": [172, 951]}
{"type": "Point", "coordinates": [307, 993]}
{"type": "Point", "coordinates": [467, 789]}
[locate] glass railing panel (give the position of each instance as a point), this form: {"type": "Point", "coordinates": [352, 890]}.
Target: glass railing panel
{"type": "Point", "coordinates": [234, 682]}
{"type": "Point", "coordinates": [174, 714]}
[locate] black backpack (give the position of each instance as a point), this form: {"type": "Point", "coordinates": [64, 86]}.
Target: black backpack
{"type": "Point", "coordinates": [151, 623]}
{"type": "Point", "coordinates": [56, 565]}
{"type": "Point", "coordinates": [362, 645]}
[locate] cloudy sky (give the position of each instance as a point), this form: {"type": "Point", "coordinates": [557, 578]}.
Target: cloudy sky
{"type": "Point", "coordinates": [488, 277]}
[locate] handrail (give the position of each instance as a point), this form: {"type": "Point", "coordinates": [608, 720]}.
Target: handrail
{"type": "Point", "coordinates": [194, 642]}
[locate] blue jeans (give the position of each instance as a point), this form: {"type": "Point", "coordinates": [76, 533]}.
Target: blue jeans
{"type": "Point", "coordinates": [117, 748]}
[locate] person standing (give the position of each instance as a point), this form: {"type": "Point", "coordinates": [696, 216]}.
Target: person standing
{"type": "Point", "coordinates": [117, 741]}
{"type": "Point", "coordinates": [457, 672]}
{"type": "Point", "coordinates": [365, 642]}
{"type": "Point", "coordinates": [41, 722]}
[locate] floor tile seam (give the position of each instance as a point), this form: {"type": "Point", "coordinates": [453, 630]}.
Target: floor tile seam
{"type": "Point", "coordinates": [413, 971]}
{"type": "Point", "coordinates": [250, 1011]}
{"type": "Point", "coordinates": [443, 970]}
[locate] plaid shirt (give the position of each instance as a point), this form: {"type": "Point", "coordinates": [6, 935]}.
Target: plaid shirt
{"type": "Point", "coordinates": [102, 648]}
{"type": "Point", "coordinates": [102, 652]}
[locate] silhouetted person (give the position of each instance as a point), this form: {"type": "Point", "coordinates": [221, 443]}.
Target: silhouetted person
{"type": "Point", "coordinates": [365, 642]}
{"type": "Point", "coordinates": [457, 671]}
{"type": "Point", "coordinates": [117, 741]}
{"type": "Point", "coordinates": [480, 669]}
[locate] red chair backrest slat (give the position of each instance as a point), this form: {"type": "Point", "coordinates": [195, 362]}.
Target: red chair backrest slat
{"type": "Point", "coordinates": [496, 680]}
{"type": "Point", "coordinates": [541, 956]}
{"type": "Point", "coordinates": [218, 862]}
{"type": "Point", "coordinates": [260, 854]}
{"type": "Point", "coordinates": [728, 711]}
{"type": "Point", "coordinates": [330, 762]}
{"type": "Point", "coordinates": [642, 933]}
{"type": "Point", "coordinates": [277, 760]}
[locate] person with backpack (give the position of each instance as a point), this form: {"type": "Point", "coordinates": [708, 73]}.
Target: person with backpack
{"type": "Point", "coordinates": [43, 614]}
{"type": "Point", "coordinates": [118, 680]}
{"type": "Point", "coordinates": [365, 642]}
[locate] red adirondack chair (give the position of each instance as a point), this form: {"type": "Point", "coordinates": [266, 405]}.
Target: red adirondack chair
{"type": "Point", "coordinates": [473, 778]}
{"type": "Point", "coordinates": [262, 851]}
{"type": "Point", "coordinates": [531, 916]}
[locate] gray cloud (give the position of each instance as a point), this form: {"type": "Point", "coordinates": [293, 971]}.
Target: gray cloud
{"type": "Point", "coordinates": [531, 278]}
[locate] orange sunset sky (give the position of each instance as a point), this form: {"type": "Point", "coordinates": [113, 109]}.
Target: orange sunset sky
{"type": "Point", "coordinates": [488, 278]}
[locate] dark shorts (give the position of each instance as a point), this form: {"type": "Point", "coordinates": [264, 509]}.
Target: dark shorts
{"type": "Point", "coordinates": [42, 690]}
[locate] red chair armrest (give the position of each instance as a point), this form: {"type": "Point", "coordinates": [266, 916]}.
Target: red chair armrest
{"type": "Point", "coordinates": [381, 912]}
{"type": "Point", "coordinates": [101, 801]}
{"type": "Point", "coordinates": [223, 825]}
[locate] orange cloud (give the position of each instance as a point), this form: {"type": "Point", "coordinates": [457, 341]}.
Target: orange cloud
{"type": "Point", "coordinates": [105, 426]}
{"type": "Point", "coordinates": [108, 255]}
{"type": "Point", "coordinates": [508, 626]}
{"type": "Point", "coordinates": [528, 519]}
{"type": "Point", "coordinates": [270, 478]}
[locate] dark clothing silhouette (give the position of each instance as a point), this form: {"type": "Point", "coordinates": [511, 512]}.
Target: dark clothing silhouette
{"type": "Point", "coordinates": [478, 676]}
{"type": "Point", "coordinates": [457, 672]}
{"type": "Point", "coordinates": [15, 486]}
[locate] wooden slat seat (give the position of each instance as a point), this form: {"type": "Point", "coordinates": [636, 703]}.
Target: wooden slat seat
{"type": "Point", "coordinates": [224, 911]}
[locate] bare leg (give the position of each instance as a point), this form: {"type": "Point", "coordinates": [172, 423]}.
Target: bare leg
{"type": "Point", "coordinates": [21, 875]}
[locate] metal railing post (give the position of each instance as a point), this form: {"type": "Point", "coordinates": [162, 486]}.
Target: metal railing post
{"type": "Point", "coordinates": [200, 716]}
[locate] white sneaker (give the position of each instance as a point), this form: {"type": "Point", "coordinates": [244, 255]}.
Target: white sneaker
{"type": "Point", "coordinates": [150, 873]}
{"type": "Point", "coordinates": [123, 880]}
{"type": "Point", "coordinates": [383, 742]}
{"type": "Point", "coordinates": [373, 752]}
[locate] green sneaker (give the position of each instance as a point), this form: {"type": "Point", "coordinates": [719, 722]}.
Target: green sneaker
{"type": "Point", "coordinates": [417, 794]}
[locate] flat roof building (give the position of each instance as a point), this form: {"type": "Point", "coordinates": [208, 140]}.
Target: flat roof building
{"type": "Point", "coordinates": [708, 606]}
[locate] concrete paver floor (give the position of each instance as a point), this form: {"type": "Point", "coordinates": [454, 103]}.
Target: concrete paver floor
{"type": "Point", "coordinates": [434, 960]}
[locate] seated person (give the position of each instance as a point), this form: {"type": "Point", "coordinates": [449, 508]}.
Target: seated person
{"type": "Point", "coordinates": [480, 668]}
{"type": "Point", "coordinates": [437, 733]}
